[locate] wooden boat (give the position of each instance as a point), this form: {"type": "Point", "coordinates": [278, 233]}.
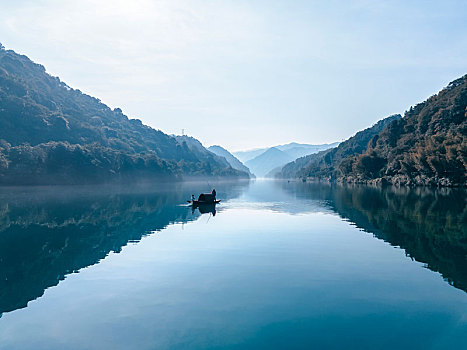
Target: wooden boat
{"type": "Point", "coordinates": [205, 199]}
{"type": "Point", "coordinates": [197, 202]}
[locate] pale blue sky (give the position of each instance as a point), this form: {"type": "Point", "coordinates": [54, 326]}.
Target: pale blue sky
{"type": "Point", "coordinates": [247, 74]}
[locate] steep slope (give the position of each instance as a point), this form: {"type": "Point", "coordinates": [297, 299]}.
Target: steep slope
{"type": "Point", "coordinates": [49, 131]}
{"type": "Point", "coordinates": [265, 162]}
{"type": "Point", "coordinates": [426, 147]}
{"type": "Point", "coordinates": [233, 161]}
{"type": "Point", "coordinates": [205, 158]}
{"type": "Point", "coordinates": [326, 164]}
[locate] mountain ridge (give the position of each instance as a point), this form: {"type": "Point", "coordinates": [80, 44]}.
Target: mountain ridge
{"type": "Point", "coordinates": [50, 131]}
{"type": "Point", "coordinates": [325, 164]}
{"type": "Point", "coordinates": [263, 163]}
{"type": "Point", "coordinates": [306, 148]}
{"type": "Point", "coordinates": [231, 159]}
{"type": "Point", "coordinates": [426, 147]}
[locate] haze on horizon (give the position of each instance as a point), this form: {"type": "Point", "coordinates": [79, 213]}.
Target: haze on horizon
{"type": "Point", "coordinates": [246, 74]}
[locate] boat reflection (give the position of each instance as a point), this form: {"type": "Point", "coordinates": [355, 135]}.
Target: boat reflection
{"type": "Point", "coordinates": [48, 233]}
{"type": "Point", "coordinates": [204, 209]}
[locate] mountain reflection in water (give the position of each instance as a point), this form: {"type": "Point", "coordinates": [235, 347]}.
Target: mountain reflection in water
{"type": "Point", "coordinates": [48, 233]}
{"type": "Point", "coordinates": [430, 224]}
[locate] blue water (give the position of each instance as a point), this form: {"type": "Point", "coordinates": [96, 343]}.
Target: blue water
{"type": "Point", "coordinates": [277, 266]}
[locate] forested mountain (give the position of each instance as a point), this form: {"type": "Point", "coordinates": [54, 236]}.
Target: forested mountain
{"type": "Point", "coordinates": [233, 161]}
{"type": "Point", "coordinates": [325, 164]}
{"type": "Point", "coordinates": [428, 146]}
{"type": "Point", "coordinates": [197, 152]}
{"type": "Point", "coordinates": [51, 133]}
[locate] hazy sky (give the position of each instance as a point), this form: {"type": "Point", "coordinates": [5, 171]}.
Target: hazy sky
{"type": "Point", "coordinates": [246, 74]}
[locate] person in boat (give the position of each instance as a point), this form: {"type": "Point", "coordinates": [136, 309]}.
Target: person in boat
{"type": "Point", "coordinates": [214, 193]}
{"type": "Point", "coordinates": [193, 198]}
{"type": "Point", "coordinates": [206, 198]}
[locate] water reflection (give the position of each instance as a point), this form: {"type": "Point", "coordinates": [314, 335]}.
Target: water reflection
{"type": "Point", "coordinates": [205, 209]}
{"type": "Point", "coordinates": [429, 224]}
{"type": "Point", "coordinates": [47, 233]}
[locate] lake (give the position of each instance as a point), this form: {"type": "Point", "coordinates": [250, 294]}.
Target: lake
{"type": "Point", "coordinates": [277, 265]}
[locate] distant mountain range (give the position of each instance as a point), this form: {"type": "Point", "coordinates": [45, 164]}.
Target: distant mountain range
{"type": "Point", "coordinates": [233, 161]}
{"type": "Point", "coordinates": [428, 146]}
{"type": "Point", "coordinates": [294, 149]}
{"type": "Point", "coordinates": [263, 161]}
{"type": "Point", "coordinates": [51, 133]}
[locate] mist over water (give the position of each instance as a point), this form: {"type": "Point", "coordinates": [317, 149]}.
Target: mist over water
{"type": "Point", "coordinates": [275, 265]}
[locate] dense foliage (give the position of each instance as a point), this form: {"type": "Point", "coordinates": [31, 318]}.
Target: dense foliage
{"type": "Point", "coordinates": [41, 114]}
{"type": "Point", "coordinates": [427, 147]}
{"type": "Point", "coordinates": [326, 164]}
{"type": "Point", "coordinates": [229, 157]}
{"type": "Point", "coordinates": [63, 163]}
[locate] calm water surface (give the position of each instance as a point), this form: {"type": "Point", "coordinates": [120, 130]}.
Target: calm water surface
{"type": "Point", "coordinates": [277, 266]}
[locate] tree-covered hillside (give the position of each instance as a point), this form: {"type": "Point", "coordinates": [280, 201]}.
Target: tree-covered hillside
{"type": "Point", "coordinates": [426, 147]}
{"type": "Point", "coordinates": [52, 133]}
{"type": "Point", "coordinates": [229, 157]}
{"type": "Point", "coordinates": [326, 164]}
